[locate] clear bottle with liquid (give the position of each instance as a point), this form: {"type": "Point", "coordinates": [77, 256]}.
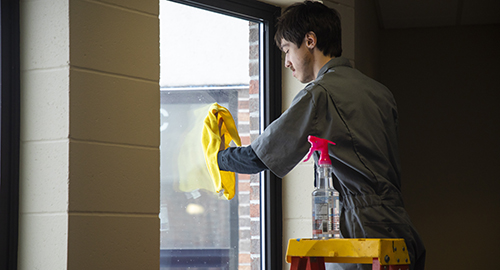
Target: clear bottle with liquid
{"type": "Point", "coordinates": [325, 206]}
{"type": "Point", "coordinates": [325, 199]}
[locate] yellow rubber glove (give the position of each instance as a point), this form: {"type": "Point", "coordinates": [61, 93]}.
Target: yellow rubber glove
{"type": "Point", "coordinates": [219, 124]}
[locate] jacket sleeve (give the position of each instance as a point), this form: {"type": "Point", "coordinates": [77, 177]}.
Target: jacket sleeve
{"type": "Point", "coordinates": [284, 142]}
{"type": "Point", "coordinates": [240, 160]}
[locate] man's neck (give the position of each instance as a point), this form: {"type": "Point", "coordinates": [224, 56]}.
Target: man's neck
{"type": "Point", "coordinates": [320, 60]}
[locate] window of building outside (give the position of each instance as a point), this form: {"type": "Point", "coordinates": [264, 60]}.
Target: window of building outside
{"type": "Point", "coordinates": [208, 57]}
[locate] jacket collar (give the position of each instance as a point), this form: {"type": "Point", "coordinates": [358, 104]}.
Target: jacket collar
{"type": "Point", "coordinates": [334, 62]}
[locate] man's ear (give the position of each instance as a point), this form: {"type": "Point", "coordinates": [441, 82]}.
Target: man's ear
{"type": "Point", "coordinates": [310, 40]}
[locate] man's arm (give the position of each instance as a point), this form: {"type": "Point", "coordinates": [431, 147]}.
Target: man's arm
{"type": "Point", "coordinates": [240, 160]}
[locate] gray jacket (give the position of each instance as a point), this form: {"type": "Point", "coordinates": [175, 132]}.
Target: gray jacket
{"type": "Point", "coordinates": [360, 115]}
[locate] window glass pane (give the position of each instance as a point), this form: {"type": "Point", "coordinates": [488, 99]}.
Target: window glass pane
{"type": "Point", "coordinates": [206, 57]}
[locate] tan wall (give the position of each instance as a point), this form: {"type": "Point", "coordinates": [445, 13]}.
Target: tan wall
{"type": "Point", "coordinates": [446, 83]}
{"type": "Point", "coordinates": [89, 161]}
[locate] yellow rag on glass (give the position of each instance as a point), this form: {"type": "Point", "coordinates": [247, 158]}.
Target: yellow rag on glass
{"type": "Point", "coordinates": [211, 140]}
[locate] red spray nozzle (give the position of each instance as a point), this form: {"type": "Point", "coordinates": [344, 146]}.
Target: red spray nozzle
{"type": "Point", "coordinates": [321, 145]}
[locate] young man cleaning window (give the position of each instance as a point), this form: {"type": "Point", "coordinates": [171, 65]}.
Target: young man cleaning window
{"type": "Point", "coordinates": [342, 105]}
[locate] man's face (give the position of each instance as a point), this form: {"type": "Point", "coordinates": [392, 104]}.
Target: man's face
{"type": "Point", "coordinates": [299, 60]}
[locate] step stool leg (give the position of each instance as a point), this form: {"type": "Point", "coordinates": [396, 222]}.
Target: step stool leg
{"type": "Point", "coordinates": [376, 266]}
{"type": "Point", "coordinates": [307, 263]}
{"type": "Point", "coordinates": [315, 263]}
{"type": "Point", "coordinates": [298, 263]}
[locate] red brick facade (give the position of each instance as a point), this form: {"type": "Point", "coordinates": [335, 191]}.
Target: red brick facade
{"type": "Point", "coordinates": [249, 185]}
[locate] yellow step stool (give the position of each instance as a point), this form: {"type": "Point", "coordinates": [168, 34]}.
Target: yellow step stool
{"type": "Point", "coordinates": [383, 254]}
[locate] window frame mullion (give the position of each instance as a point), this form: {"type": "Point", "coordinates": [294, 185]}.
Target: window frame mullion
{"type": "Point", "coordinates": [10, 129]}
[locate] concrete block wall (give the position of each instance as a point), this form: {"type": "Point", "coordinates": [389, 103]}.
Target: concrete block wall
{"type": "Point", "coordinates": [89, 187]}
{"type": "Point", "coordinates": [298, 184]}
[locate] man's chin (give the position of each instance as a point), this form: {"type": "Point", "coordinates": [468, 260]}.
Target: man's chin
{"type": "Point", "coordinates": [304, 81]}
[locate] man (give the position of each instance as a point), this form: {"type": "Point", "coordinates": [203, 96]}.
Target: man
{"type": "Point", "coordinates": [342, 105]}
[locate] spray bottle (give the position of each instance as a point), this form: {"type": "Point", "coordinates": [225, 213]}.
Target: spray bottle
{"type": "Point", "coordinates": [325, 199]}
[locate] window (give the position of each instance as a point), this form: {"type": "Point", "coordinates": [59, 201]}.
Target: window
{"type": "Point", "coordinates": [9, 144]}
{"type": "Point", "coordinates": [217, 51]}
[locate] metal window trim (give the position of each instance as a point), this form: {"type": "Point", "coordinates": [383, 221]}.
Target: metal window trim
{"type": "Point", "coordinates": [10, 128]}
{"type": "Point", "coordinates": [204, 258]}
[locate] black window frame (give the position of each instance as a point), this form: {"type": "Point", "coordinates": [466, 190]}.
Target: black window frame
{"type": "Point", "coordinates": [271, 203]}
{"type": "Point", "coordinates": [9, 129]}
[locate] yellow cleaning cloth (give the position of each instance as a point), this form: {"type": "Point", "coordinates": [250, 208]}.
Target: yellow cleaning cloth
{"type": "Point", "coordinates": [211, 139]}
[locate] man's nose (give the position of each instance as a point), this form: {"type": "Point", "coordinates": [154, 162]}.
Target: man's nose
{"type": "Point", "coordinates": [287, 63]}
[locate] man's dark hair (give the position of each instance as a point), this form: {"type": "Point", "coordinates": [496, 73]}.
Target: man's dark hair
{"type": "Point", "coordinates": [301, 18]}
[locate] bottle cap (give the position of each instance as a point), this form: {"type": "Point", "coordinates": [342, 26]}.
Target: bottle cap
{"type": "Point", "coordinates": [321, 145]}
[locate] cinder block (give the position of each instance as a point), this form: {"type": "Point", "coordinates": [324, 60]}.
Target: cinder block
{"type": "Point", "coordinates": [297, 188]}
{"type": "Point", "coordinates": [114, 109]}
{"type": "Point", "coordinates": [113, 178]}
{"type": "Point", "coordinates": [114, 40]}
{"type": "Point", "coordinates": [44, 171]}
{"type": "Point", "coordinates": [45, 104]}
{"type": "Point", "coordinates": [44, 34]}
{"type": "Point", "coordinates": [147, 6]}
{"type": "Point", "coordinates": [108, 241]}
{"type": "Point", "coordinates": [43, 241]}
